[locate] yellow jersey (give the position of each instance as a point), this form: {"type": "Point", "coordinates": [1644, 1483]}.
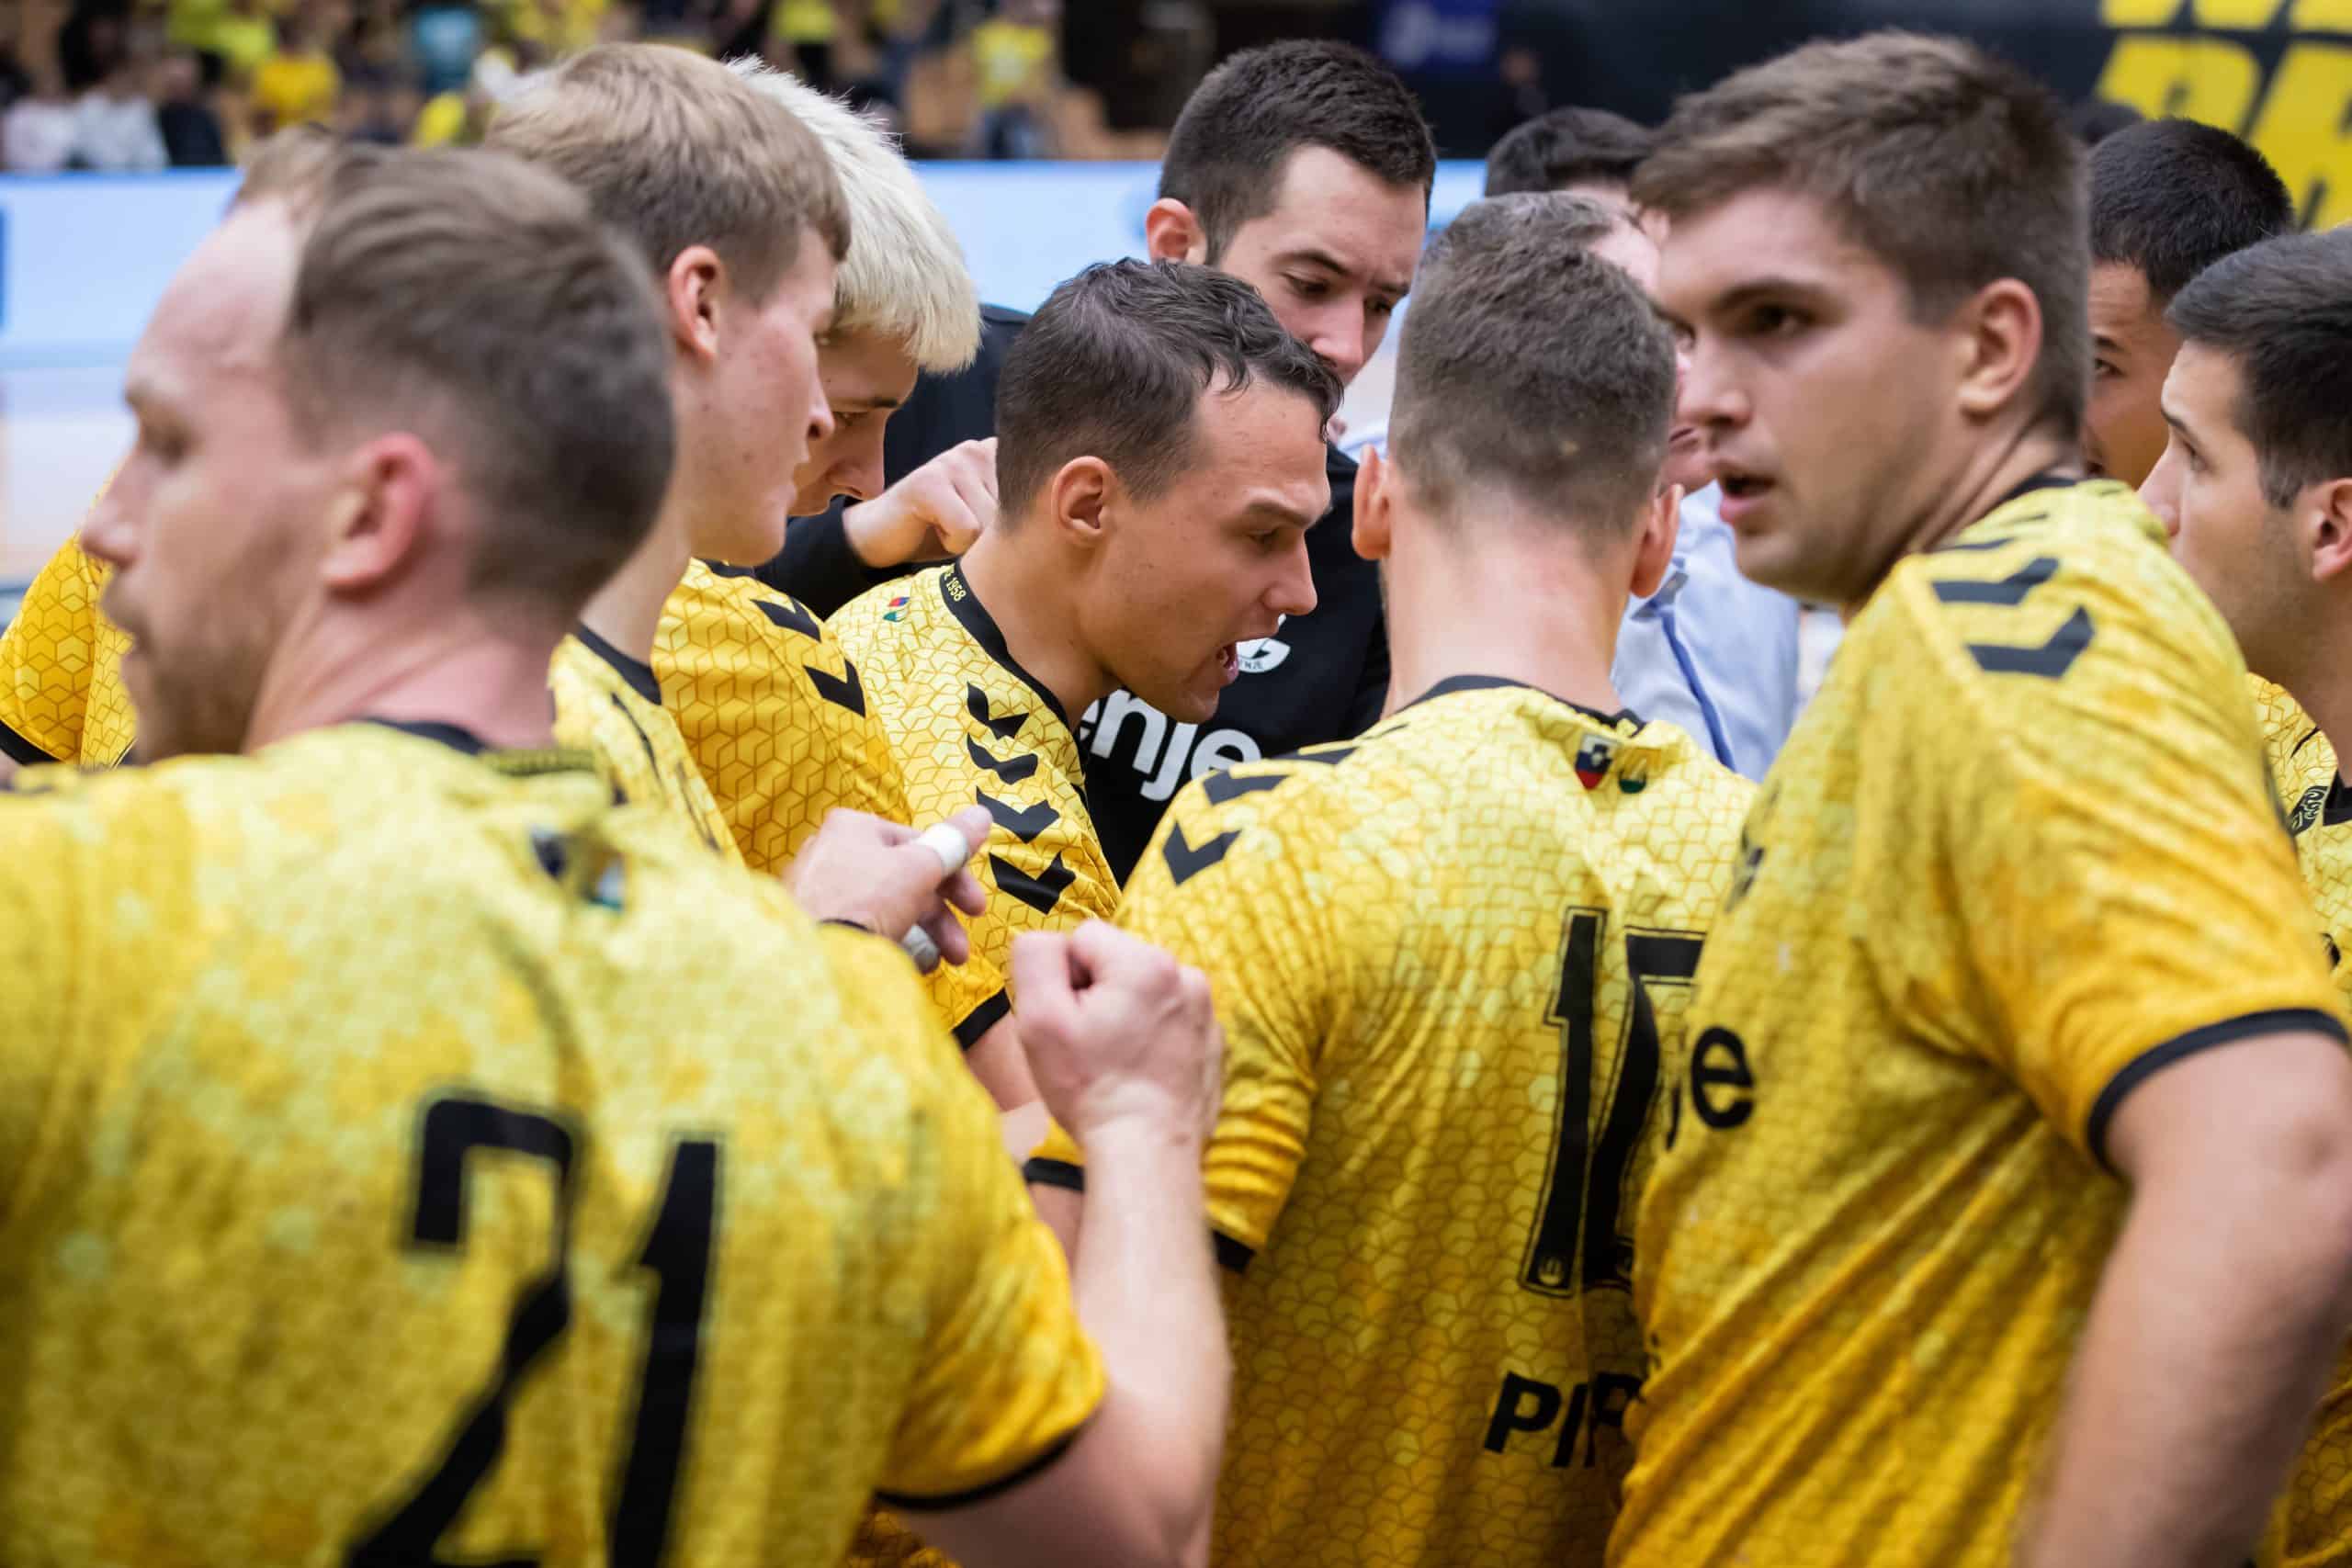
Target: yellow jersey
{"type": "Point", "coordinates": [2018, 854]}
{"type": "Point", "coordinates": [63, 700]}
{"type": "Point", "coordinates": [2319, 807]}
{"type": "Point", "coordinates": [405, 1157]}
{"type": "Point", "coordinates": [609, 705]}
{"type": "Point", "coordinates": [1451, 961]}
{"type": "Point", "coordinates": [2303, 764]}
{"type": "Point", "coordinates": [969, 725]}
{"type": "Point", "coordinates": [775, 714]}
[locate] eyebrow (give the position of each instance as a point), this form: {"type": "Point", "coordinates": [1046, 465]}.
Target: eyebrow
{"type": "Point", "coordinates": [2105, 344]}
{"type": "Point", "coordinates": [1329, 263]}
{"type": "Point", "coordinates": [1267, 507]}
{"type": "Point", "coordinates": [2175, 421]}
{"type": "Point", "coordinates": [1762, 287]}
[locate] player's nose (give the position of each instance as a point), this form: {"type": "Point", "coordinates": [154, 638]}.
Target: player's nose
{"type": "Point", "coordinates": [1708, 394]}
{"type": "Point", "coordinates": [1293, 589]}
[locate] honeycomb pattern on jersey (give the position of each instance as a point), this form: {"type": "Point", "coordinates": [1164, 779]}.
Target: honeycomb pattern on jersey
{"type": "Point", "coordinates": [246, 995]}
{"type": "Point", "coordinates": [634, 740]}
{"type": "Point", "coordinates": [969, 726]}
{"type": "Point", "coordinates": [775, 714]}
{"type": "Point", "coordinates": [1442, 1097]}
{"type": "Point", "coordinates": [2022, 838]}
{"type": "Point", "coordinates": [63, 659]}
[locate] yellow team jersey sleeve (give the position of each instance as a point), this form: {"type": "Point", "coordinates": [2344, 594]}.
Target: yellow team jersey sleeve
{"type": "Point", "coordinates": [1275, 952]}
{"type": "Point", "coordinates": [774, 713]}
{"type": "Point", "coordinates": [610, 706]}
{"type": "Point", "coordinates": [63, 699]}
{"type": "Point", "coordinates": [1007, 1376]}
{"type": "Point", "coordinates": [2153, 906]}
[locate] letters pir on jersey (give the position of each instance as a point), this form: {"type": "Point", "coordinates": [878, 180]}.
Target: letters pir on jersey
{"type": "Point", "coordinates": [1451, 961]}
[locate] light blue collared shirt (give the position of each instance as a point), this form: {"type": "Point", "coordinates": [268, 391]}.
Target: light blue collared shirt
{"type": "Point", "coordinates": [1710, 651]}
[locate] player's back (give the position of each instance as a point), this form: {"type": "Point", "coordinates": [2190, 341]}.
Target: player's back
{"type": "Point", "coordinates": [1452, 959]}
{"type": "Point", "coordinates": [406, 1161]}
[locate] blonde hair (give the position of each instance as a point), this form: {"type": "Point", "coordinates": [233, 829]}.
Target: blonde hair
{"type": "Point", "coordinates": [674, 150]}
{"type": "Point", "coordinates": [904, 278]}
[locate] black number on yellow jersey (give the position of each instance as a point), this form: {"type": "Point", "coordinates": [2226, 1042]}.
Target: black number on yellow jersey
{"type": "Point", "coordinates": [677, 1252]}
{"type": "Point", "coordinates": [2047, 659]}
{"type": "Point", "coordinates": [1578, 1241]}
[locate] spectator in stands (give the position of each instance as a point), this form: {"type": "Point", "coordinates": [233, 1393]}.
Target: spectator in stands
{"type": "Point", "coordinates": [1016, 58]}
{"type": "Point", "coordinates": [1589, 152]}
{"type": "Point", "coordinates": [298, 83]}
{"type": "Point", "coordinates": [115, 130]}
{"type": "Point", "coordinates": [39, 130]}
{"type": "Point", "coordinates": [238, 35]}
{"type": "Point", "coordinates": [191, 131]}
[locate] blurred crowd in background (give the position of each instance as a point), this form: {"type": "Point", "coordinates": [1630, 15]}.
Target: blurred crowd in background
{"type": "Point", "coordinates": [138, 86]}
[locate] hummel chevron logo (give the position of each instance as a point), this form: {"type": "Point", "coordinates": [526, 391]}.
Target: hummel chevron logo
{"type": "Point", "coordinates": [1012, 769]}
{"type": "Point", "coordinates": [791, 618]}
{"type": "Point", "coordinates": [844, 690]}
{"type": "Point", "coordinates": [1184, 862]}
{"type": "Point", "coordinates": [1223, 787]}
{"type": "Point", "coordinates": [1004, 726]}
{"type": "Point", "coordinates": [1022, 825]}
{"type": "Point", "coordinates": [1040, 892]}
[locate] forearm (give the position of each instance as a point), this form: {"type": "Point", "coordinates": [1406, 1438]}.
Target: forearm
{"type": "Point", "coordinates": [2218, 1319]}
{"type": "Point", "coordinates": [1145, 1279]}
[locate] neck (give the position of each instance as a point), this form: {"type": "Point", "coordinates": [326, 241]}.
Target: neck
{"type": "Point", "coordinates": [1992, 469]}
{"type": "Point", "coordinates": [1032, 592]}
{"type": "Point", "coordinates": [478, 670]}
{"type": "Point", "coordinates": [627, 612]}
{"type": "Point", "coordinates": [1521, 600]}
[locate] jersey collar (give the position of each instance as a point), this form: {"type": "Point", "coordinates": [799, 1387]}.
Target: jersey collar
{"type": "Point", "coordinates": [636, 672]}
{"type": "Point", "coordinates": [466, 743]}
{"type": "Point", "coordinates": [956, 590]}
{"type": "Point", "coordinates": [1454, 683]}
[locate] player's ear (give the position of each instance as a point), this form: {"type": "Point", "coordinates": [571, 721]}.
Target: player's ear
{"type": "Point", "coordinates": [1998, 343]}
{"type": "Point", "coordinates": [1660, 525]}
{"type": "Point", "coordinates": [691, 289]}
{"type": "Point", "coordinates": [1076, 498]}
{"type": "Point", "coordinates": [1171, 233]}
{"type": "Point", "coordinates": [2328, 505]}
{"type": "Point", "coordinates": [379, 512]}
{"type": "Point", "coordinates": [1375, 505]}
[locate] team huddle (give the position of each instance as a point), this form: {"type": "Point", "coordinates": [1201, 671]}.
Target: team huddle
{"type": "Point", "coordinates": [556, 1019]}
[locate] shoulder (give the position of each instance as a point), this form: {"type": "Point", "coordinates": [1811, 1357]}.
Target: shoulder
{"type": "Point", "coordinates": [890, 616]}
{"type": "Point", "coordinates": [2066, 583]}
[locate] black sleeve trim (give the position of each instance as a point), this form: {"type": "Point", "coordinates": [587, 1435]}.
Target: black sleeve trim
{"type": "Point", "coordinates": [983, 1017]}
{"type": "Point", "coordinates": [2152, 1061]}
{"type": "Point", "coordinates": [22, 749]}
{"type": "Point", "coordinates": [1029, 1471]}
{"type": "Point", "coordinates": [1232, 1255]}
{"type": "Point", "coordinates": [1054, 1173]}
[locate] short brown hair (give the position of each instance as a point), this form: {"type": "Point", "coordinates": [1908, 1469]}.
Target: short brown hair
{"type": "Point", "coordinates": [477, 302]}
{"type": "Point", "coordinates": [1114, 364]}
{"type": "Point", "coordinates": [1231, 146]}
{"type": "Point", "coordinates": [1533, 366]}
{"type": "Point", "coordinates": [1954, 169]}
{"type": "Point", "coordinates": [674, 149]}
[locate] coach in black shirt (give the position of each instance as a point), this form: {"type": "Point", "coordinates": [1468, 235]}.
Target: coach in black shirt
{"type": "Point", "coordinates": [1303, 168]}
